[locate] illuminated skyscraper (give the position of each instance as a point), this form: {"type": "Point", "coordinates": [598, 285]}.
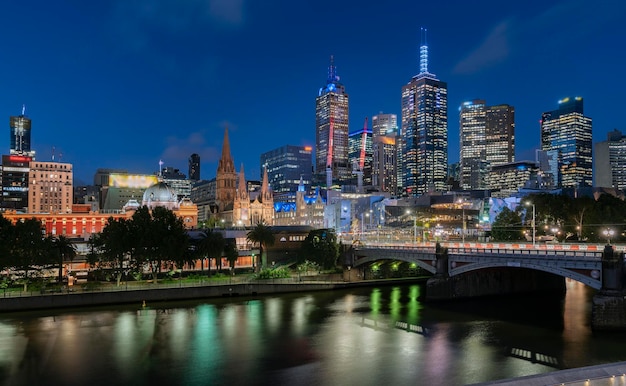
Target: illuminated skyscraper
{"type": "Point", "coordinates": [331, 131]}
{"type": "Point", "coordinates": [424, 135]}
{"type": "Point", "coordinates": [609, 162]}
{"type": "Point", "coordinates": [384, 154]}
{"type": "Point", "coordinates": [20, 135]}
{"type": "Point", "coordinates": [360, 153]}
{"type": "Point", "coordinates": [568, 131]}
{"type": "Point", "coordinates": [487, 138]}
{"type": "Point", "coordinates": [287, 167]}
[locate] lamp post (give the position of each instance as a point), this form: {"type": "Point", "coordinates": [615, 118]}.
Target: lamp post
{"type": "Point", "coordinates": [608, 233]}
{"type": "Point", "coordinates": [533, 205]}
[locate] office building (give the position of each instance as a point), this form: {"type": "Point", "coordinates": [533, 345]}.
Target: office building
{"type": "Point", "coordinates": [568, 131]}
{"type": "Point", "coordinates": [331, 131]}
{"type": "Point", "coordinates": [424, 131]}
{"type": "Point", "coordinates": [50, 186]}
{"type": "Point", "coordinates": [487, 139]}
{"type": "Point", "coordinates": [286, 166]}
{"type": "Point", "coordinates": [20, 135]}
{"type": "Point", "coordinates": [384, 152]}
{"type": "Point", "coordinates": [194, 167]}
{"type": "Point", "coordinates": [15, 170]}
{"type": "Point", "coordinates": [360, 155]}
{"type": "Point", "coordinates": [609, 162]}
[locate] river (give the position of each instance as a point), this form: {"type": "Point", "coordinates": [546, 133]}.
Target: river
{"type": "Point", "coordinates": [362, 336]}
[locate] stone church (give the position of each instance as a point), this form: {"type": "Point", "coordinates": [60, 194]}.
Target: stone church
{"type": "Point", "coordinates": [233, 201]}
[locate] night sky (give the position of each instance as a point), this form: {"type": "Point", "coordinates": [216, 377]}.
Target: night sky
{"type": "Point", "coordinates": [126, 83]}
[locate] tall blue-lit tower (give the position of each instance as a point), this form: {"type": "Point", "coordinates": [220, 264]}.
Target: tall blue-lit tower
{"type": "Point", "coordinates": [423, 154]}
{"type": "Point", "coordinates": [331, 131]}
{"type": "Point", "coordinates": [20, 134]}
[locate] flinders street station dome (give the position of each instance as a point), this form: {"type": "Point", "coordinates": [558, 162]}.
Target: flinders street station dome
{"type": "Point", "coordinates": [160, 194]}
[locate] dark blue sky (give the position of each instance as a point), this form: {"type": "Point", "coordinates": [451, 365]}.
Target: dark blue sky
{"type": "Point", "coordinates": [124, 83]}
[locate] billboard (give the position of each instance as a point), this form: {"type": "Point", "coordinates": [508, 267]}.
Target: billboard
{"type": "Point", "coordinates": [132, 181]}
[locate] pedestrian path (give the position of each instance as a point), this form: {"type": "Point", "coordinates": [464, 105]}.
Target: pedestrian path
{"type": "Point", "coordinates": [611, 374]}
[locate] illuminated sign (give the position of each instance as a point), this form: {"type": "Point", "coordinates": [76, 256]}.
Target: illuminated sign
{"type": "Point", "coordinates": [133, 181]}
{"type": "Point", "coordinates": [16, 158]}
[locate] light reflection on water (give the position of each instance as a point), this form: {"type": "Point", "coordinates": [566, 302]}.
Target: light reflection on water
{"type": "Point", "coordinates": [365, 336]}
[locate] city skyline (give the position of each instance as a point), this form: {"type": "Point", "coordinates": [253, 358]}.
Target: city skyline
{"type": "Point", "coordinates": [126, 84]}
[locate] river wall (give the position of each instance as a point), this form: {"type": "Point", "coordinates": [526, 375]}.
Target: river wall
{"type": "Point", "coordinates": [147, 296]}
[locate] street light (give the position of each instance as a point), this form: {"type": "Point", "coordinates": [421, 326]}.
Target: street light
{"type": "Point", "coordinates": [608, 233]}
{"type": "Point", "coordinates": [533, 205]}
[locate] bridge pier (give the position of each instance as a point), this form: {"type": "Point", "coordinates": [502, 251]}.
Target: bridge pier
{"type": "Point", "coordinates": [608, 310]}
{"type": "Point", "coordinates": [488, 282]}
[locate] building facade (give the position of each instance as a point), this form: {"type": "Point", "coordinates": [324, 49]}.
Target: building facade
{"type": "Point", "coordinates": [194, 167]}
{"type": "Point", "coordinates": [487, 138]}
{"type": "Point", "coordinates": [568, 131]}
{"type": "Point", "coordinates": [286, 166]}
{"type": "Point", "coordinates": [505, 180]}
{"type": "Point", "coordinates": [609, 162]}
{"type": "Point", "coordinates": [20, 135]}
{"type": "Point", "coordinates": [50, 187]}
{"type": "Point", "coordinates": [249, 212]}
{"type": "Point", "coordinates": [360, 155]}
{"type": "Point", "coordinates": [15, 171]}
{"type": "Point", "coordinates": [384, 153]}
{"type": "Point", "coordinates": [331, 131]}
{"type": "Point", "coordinates": [424, 135]}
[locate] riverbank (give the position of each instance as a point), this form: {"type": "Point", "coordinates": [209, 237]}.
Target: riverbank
{"type": "Point", "coordinates": [171, 292]}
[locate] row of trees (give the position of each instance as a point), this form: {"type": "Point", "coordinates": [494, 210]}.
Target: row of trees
{"type": "Point", "coordinates": [26, 249]}
{"type": "Point", "coordinates": [566, 218]}
{"type": "Point", "coordinates": [155, 239]}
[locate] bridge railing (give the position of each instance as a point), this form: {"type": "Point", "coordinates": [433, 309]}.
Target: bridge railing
{"type": "Point", "coordinates": [531, 253]}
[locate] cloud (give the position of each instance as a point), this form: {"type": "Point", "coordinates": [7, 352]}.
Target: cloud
{"type": "Point", "coordinates": [140, 24]}
{"type": "Point", "coordinates": [553, 33]}
{"type": "Point", "coordinates": [178, 149]}
{"type": "Point", "coordinates": [494, 49]}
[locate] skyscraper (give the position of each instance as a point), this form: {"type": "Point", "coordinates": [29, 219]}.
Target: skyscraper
{"type": "Point", "coordinates": [331, 131]}
{"type": "Point", "coordinates": [20, 135]}
{"type": "Point", "coordinates": [360, 154]}
{"type": "Point", "coordinates": [424, 135]}
{"type": "Point", "coordinates": [609, 162]}
{"type": "Point", "coordinates": [487, 138]}
{"type": "Point", "coordinates": [384, 154]}
{"type": "Point", "coordinates": [286, 167]}
{"type": "Point", "coordinates": [569, 132]}
{"type": "Point", "coordinates": [194, 167]}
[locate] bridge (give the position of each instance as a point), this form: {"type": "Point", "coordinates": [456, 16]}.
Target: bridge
{"type": "Point", "coordinates": [462, 270]}
{"type": "Point", "coordinates": [580, 262]}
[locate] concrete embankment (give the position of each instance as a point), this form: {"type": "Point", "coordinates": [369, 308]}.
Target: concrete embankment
{"type": "Point", "coordinates": [149, 295]}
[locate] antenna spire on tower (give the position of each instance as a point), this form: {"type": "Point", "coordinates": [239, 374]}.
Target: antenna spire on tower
{"type": "Point", "coordinates": [423, 52]}
{"type": "Point", "coordinates": [332, 70]}
{"type": "Point", "coordinates": [23, 110]}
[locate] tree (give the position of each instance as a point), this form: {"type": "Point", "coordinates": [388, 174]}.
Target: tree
{"type": "Point", "coordinates": [7, 237]}
{"type": "Point", "coordinates": [507, 226]}
{"type": "Point", "coordinates": [262, 235]}
{"type": "Point", "coordinates": [65, 249]}
{"type": "Point", "coordinates": [321, 247]}
{"type": "Point", "coordinates": [211, 245]}
{"type": "Point", "coordinates": [232, 254]}
{"type": "Point", "coordinates": [29, 247]}
{"type": "Point", "coordinates": [113, 246]}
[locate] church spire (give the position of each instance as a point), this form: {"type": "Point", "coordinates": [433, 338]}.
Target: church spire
{"type": "Point", "coordinates": [265, 188]}
{"type": "Point", "coordinates": [242, 187]}
{"type": "Point", "coordinates": [226, 162]}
